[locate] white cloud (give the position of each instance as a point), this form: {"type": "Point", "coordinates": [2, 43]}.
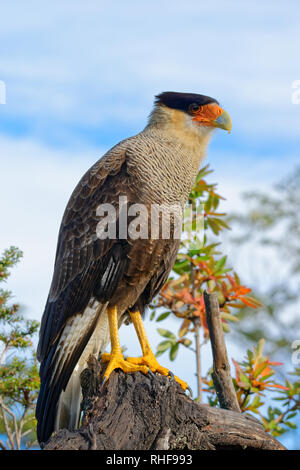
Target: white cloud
{"type": "Point", "coordinates": [87, 63]}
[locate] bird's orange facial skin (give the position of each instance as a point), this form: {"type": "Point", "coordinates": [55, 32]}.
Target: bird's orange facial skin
{"type": "Point", "coordinates": [207, 114]}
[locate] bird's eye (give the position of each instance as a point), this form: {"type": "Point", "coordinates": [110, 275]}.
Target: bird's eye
{"type": "Point", "coordinates": [194, 108]}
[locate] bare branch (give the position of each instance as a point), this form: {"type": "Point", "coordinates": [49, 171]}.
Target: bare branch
{"type": "Point", "coordinates": [221, 368]}
{"type": "Point", "coordinates": [9, 433]}
{"type": "Point", "coordinates": [196, 324]}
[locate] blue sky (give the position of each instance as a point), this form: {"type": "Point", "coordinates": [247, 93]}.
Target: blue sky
{"type": "Point", "coordinates": [80, 76]}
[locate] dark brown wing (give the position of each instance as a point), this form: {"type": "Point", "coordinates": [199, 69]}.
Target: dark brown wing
{"type": "Point", "coordinates": [84, 264]}
{"type": "Point", "coordinates": [81, 257]}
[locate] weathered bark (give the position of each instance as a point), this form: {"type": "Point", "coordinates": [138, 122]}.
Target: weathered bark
{"type": "Point", "coordinates": [221, 369]}
{"type": "Point", "coordinates": [136, 412]}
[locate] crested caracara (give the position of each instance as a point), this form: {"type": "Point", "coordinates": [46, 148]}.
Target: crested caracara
{"type": "Point", "coordinates": [100, 281]}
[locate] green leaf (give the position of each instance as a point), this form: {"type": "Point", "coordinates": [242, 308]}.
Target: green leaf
{"type": "Point", "coordinates": [220, 264]}
{"type": "Point", "coordinates": [152, 315]}
{"type": "Point", "coordinates": [174, 351]}
{"type": "Point", "coordinates": [166, 333]}
{"type": "Point", "coordinates": [182, 266]}
{"type": "Point", "coordinates": [228, 317]}
{"type": "Point", "coordinates": [291, 415]}
{"type": "Point", "coordinates": [163, 316]}
{"type": "Point", "coordinates": [256, 403]}
{"type": "Point", "coordinates": [259, 368]}
{"type": "Point", "coordinates": [186, 342]}
{"type": "Point", "coordinates": [290, 425]}
{"type": "Point", "coordinates": [214, 226]}
{"type": "Point", "coordinates": [225, 327]}
{"type": "Point", "coordinates": [260, 346]}
{"type": "Point", "coordinates": [164, 345]}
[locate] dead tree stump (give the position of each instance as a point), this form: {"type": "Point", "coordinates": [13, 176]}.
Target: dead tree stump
{"type": "Point", "coordinates": [138, 412]}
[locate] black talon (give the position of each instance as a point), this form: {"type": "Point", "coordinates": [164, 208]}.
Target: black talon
{"type": "Point", "coordinates": [190, 391]}
{"type": "Point", "coordinates": [151, 373]}
{"type": "Point", "coordinates": [104, 381]}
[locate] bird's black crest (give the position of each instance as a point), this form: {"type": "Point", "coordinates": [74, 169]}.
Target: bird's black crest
{"type": "Point", "coordinates": [182, 101]}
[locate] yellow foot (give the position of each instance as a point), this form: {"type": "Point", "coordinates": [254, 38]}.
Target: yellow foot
{"type": "Point", "coordinates": [117, 361]}
{"type": "Point", "coordinates": [151, 362]}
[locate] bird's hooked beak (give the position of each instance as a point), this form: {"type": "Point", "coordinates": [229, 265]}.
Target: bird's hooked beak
{"type": "Point", "coordinates": [213, 115]}
{"type": "Point", "coordinates": [223, 121]}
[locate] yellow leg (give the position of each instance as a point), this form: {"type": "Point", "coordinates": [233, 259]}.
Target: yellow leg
{"type": "Point", "coordinates": [148, 358]}
{"type": "Point", "coordinates": [115, 359]}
